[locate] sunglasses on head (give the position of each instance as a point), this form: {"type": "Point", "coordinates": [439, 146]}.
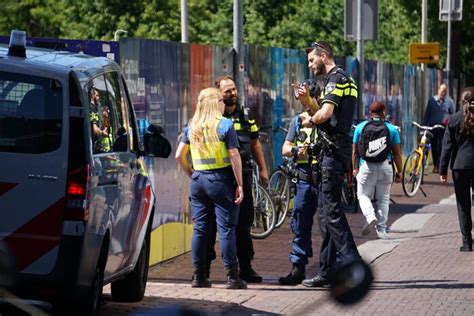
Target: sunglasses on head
{"type": "Point", "coordinates": [315, 45]}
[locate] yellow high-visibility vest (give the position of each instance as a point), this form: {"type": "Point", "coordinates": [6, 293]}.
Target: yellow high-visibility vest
{"type": "Point", "coordinates": [213, 156]}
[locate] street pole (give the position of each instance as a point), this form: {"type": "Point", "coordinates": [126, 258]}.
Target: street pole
{"type": "Point", "coordinates": [360, 58]}
{"type": "Point", "coordinates": [239, 50]}
{"type": "Point", "coordinates": [184, 21]}
{"type": "Point", "coordinates": [448, 48]}
{"type": "Point", "coordinates": [424, 37]}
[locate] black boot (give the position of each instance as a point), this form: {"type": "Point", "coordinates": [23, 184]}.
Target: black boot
{"type": "Point", "coordinates": [295, 277]}
{"type": "Point", "coordinates": [199, 278]}
{"type": "Point", "coordinates": [208, 270]}
{"type": "Point", "coordinates": [248, 274]}
{"type": "Point", "coordinates": [233, 279]}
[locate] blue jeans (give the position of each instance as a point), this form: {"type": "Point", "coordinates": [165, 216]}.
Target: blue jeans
{"type": "Point", "coordinates": [212, 196]}
{"type": "Point", "coordinates": [305, 202]}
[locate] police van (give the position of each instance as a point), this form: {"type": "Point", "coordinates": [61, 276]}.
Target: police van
{"type": "Point", "coordinates": [76, 205]}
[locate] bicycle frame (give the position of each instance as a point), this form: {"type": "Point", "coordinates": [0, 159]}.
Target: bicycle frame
{"type": "Point", "coordinates": [415, 172]}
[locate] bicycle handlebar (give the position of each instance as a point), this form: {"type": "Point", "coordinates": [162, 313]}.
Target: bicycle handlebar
{"type": "Point", "coordinates": [429, 128]}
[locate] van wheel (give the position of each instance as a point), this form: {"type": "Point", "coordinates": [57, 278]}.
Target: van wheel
{"type": "Point", "coordinates": [132, 287]}
{"type": "Point", "coordinates": [88, 304]}
{"type": "Point", "coordinates": [95, 295]}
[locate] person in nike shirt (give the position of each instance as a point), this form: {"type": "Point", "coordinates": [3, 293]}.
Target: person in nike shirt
{"type": "Point", "coordinates": [376, 177]}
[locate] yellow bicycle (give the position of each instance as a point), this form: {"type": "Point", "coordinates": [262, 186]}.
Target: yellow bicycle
{"type": "Point", "coordinates": [415, 164]}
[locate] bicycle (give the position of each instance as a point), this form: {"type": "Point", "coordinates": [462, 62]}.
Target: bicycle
{"type": "Point", "coordinates": [415, 164]}
{"type": "Point", "coordinates": [281, 185]}
{"type": "Point", "coordinates": [264, 210]}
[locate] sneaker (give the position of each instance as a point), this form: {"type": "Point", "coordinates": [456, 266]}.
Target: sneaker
{"type": "Point", "coordinates": [250, 276]}
{"type": "Point", "coordinates": [382, 234]}
{"type": "Point", "coordinates": [435, 169]}
{"type": "Point", "coordinates": [368, 227]}
{"type": "Point", "coordinates": [317, 281]}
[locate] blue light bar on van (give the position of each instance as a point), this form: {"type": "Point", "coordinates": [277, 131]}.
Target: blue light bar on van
{"type": "Point", "coordinates": [17, 46]}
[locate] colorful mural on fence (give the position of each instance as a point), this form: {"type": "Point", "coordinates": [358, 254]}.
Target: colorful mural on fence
{"type": "Point", "coordinates": [164, 79]}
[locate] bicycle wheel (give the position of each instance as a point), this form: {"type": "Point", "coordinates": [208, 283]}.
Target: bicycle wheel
{"type": "Point", "coordinates": [280, 193]}
{"type": "Point", "coordinates": [411, 177]}
{"type": "Point", "coordinates": [264, 213]}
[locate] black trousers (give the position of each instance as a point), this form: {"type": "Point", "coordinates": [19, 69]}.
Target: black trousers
{"type": "Point", "coordinates": [463, 182]}
{"type": "Point", "coordinates": [335, 230]}
{"type": "Point", "coordinates": [245, 250]}
{"type": "Point", "coordinates": [436, 145]}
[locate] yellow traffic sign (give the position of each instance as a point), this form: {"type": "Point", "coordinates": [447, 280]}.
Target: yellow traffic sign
{"type": "Point", "coordinates": [427, 53]}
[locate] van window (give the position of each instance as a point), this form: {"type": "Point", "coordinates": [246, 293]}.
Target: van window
{"type": "Point", "coordinates": [118, 111]}
{"type": "Point", "coordinates": [30, 113]}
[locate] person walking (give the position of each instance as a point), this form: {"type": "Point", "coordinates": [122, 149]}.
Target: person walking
{"type": "Point", "coordinates": [333, 119]}
{"type": "Point", "coordinates": [298, 142]}
{"type": "Point", "coordinates": [216, 184]}
{"type": "Point", "coordinates": [376, 146]}
{"type": "Point", "coordinates": [458, 153]}
{"type": "Point", "coordinates": [439, 107]}
{"type": "Point", "coordinates": [250, 147]}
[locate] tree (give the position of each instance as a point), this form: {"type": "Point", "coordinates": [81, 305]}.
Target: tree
{"type": "Point", "coordinates": [277, 23]}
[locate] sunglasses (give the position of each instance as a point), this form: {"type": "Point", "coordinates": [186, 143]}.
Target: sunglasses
{"type": "Point", "coordinates": [315, 45]}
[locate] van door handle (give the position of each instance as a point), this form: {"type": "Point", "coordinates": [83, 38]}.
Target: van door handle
{"type": "Point", "coordinates": [107, 182]}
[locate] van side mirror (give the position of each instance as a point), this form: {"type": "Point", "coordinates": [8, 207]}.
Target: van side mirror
{"type": "Point", "coordinates": [156, 145]}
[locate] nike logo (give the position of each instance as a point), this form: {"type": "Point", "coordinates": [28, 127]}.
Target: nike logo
{"type": "Point", "coordinates": [376, 147]}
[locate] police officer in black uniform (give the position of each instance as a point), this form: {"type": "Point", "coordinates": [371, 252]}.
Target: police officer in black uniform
{"type": "Point", "coordinates": [334, 119]}
{"type": "Point", "coordinates": [250, 147]}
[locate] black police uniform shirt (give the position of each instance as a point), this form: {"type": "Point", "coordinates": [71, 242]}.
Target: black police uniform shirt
{"type": "Point", "coordinates": [247, 131]}
{"type": "Point", "coordinates": [341, 91]}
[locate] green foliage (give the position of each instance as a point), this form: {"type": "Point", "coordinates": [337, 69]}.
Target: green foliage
{"type": "Point", "coordinates": [278, 23]}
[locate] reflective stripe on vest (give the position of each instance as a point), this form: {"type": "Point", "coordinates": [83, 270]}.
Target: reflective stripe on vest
{"type": "Point", "coordinates": [307, 141]}
{"type": "Point", "coordinates": [214, 155]}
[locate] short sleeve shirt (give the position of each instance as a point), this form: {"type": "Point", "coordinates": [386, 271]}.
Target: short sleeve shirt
{"type": "Point", "coordinates": [341, 91]}
{"type": "Point", "coordinates": [394, 136]}
{"type": "Point", "coordinates": [226, 133]}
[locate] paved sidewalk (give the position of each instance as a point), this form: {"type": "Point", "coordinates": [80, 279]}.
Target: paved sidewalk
{"type": "Point", "coordinates": [418, 271]}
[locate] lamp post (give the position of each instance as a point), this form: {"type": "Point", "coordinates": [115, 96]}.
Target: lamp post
{"type": "Point", "coordinates": [117, 34]}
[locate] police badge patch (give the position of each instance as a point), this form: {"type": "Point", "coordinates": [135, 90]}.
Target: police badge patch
{"type": "Point", "coordinates": [330, 87]}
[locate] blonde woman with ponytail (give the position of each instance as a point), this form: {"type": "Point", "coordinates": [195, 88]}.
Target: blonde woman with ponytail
{"type": "Point", "coordinates": [458, 147]}
{"type": "Point", "coordinates": [216, 184]}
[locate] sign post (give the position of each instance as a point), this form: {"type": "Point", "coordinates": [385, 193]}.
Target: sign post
{"type": "Point", "coordinates": [425, 53]}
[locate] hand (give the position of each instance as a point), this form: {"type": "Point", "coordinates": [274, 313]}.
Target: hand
{"type": "Point", "coordinates": [302, 152]}
{"type": "Point", "coordinates": [239, 194]}
{"type": "Point", "coordinates": [301, 92]}
{"type": "Point", "coordinates": [355, 172]}
{"type": "Point", "coordinates": [305, 120]}
{"type": "Point", "coordinates": [443, 178]}
{"type": "Point", "coordinates": [263, 178]}
{"type": "Point", "coordinates": [398, 177]}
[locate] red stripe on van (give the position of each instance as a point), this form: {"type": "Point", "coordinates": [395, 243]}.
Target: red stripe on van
{"type": "Point", "coordinates": [146, 204]}
{"type": "Point", "coordinates": [38, 236]}
{"type": "Point", "coordinates": [5, 187]}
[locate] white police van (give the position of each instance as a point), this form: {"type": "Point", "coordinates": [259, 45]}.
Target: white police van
{"type": "Point", "coordinates": [76, 205]}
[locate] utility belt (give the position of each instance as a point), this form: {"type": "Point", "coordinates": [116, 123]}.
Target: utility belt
{"type": "Point", "coordinates": [314, 176]}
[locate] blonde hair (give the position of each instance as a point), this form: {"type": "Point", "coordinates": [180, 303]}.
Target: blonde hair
{"type": "Point", "coordinates": [203, 126]}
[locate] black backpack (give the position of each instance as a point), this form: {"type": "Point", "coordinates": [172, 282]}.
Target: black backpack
{"type": "Point", "coordinates": [374, 143]}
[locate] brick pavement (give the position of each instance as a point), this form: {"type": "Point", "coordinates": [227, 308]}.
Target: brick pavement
{"type": "Point", "coordinates": [424, 274]}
